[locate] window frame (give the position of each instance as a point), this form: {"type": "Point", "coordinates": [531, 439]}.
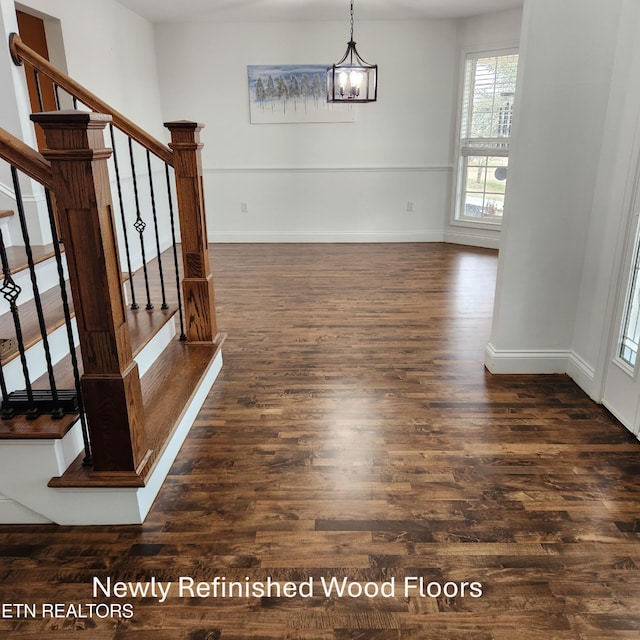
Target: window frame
{"type": "Point", "coordinates": [464, 150]}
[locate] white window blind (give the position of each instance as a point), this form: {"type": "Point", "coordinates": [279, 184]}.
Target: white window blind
{"type": "Point", "coordinates": [485, 132]}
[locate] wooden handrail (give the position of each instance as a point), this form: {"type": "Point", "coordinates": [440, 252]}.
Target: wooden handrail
{"type": "Point", "coordinates": [26, 159]}
{"type": "Point", "coordinates": [20, 53]}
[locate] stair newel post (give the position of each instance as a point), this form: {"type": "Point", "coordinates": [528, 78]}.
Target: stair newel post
{"type": "Point", "coordinates": [110, 382]}
{"type": "Point", "coordinates": [197, 281]}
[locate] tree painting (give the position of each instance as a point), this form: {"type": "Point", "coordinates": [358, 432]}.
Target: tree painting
{"type": "Point", "coordinates": [292, 94]}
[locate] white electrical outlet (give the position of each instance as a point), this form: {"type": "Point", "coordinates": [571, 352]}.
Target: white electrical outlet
{"type": "Point", "coordinates": [243, 207]}
{"type": "Point", "coordinates": [409, 206]}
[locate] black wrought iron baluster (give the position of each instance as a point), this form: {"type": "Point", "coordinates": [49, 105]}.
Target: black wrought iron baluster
{"type": "Point", "coordinates": [7, 412]}
{"type": "Point", "coordinates": [134, 304]}
{"type": "Point", "coordinates": [87, 461]}
{"type": "Point", "coordinates": [56, 90]}
{"type": "Point", "coordinates": [36, 76]}
{"type": "Point", "coordinates": [139, 225]}
{"type": "Point", "coordinates": [10, 292]}
{"type": "Point", "coordinates": [157, 234]}
{"type": "Point", "coordinates": [57, 411]}
{"type": "Point", "coordinates": [183, 336]}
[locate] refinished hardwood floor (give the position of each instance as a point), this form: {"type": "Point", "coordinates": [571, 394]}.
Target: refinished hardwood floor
{"type": "Point", "coordinates": [354, 434]}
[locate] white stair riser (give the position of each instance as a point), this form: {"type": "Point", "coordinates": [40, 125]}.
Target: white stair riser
{"type": "Point", "coordinates": [59, 347]}
{"type": "Point", "coordinates": [35, 356]}
{"type": "Point", "coordinates": [152, 350]}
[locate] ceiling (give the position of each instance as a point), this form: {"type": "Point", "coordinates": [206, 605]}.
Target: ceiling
{"type": "Point", "coordinates": [284, 10]}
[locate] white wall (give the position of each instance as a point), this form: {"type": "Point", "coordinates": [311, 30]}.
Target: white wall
{"type": "Point", "coordinates": [340, 182]}
{"type": "Point", "coordinates": [612, 222]}
{"type": "Point", "coordinates": [14, 117]}
{"type": "Point", "coordinates": [559, 128]}
{"type": "Point", "coordinates": [110, 50]}
{"type": "Point", "coordinates": [490, 30]}
{"type": "Point", "coordinates": [493, 31]}
{"type": "Point", "coordinates": [13, 103]}
{"type": "Point", "coordinates": [399, 150]}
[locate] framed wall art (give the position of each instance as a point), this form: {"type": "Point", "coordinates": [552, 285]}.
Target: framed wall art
{"type": "Point", "coordinates": [290, 93]}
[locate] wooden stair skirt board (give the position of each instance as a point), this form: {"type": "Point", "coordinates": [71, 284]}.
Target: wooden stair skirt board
{"type": "Point", "coordinates": [42, 480]}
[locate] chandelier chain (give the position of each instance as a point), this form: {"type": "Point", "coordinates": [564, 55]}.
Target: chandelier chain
{"type": "Point", "coordinates": [352, 20]}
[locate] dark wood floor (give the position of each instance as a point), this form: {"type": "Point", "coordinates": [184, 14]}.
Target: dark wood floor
{"type": "Point", "coordinates": [354, 433]}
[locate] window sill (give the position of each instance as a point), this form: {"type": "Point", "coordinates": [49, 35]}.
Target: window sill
{"type": "Point", "coordinates": [473, 224]}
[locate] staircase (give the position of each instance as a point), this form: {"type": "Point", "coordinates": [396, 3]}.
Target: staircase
{"type": "Point", "coordinates": [108, 339]}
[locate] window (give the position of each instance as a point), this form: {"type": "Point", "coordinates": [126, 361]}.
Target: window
{"type": "Point", "coordinates": [630, 339]}
{"type": "Point", "coordinates": [485, 132]}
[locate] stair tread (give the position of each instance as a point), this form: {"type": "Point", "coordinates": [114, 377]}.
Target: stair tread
{"type": "Point", "coordinates": [17, 255]}
{"type": "Point", "coordinates": [167, 389]}
{"type": "Point", "coordinates": [140, 320]}
{"type": "Point", "coordinates": [143, 324]}
{"type": "Point", "coordinates": [43, 427]}
{"type": "Point", "coordinates": [6, 213]}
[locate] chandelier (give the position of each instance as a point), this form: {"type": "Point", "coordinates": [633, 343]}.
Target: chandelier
{"type": "Point", "coordinates": [352, 79]}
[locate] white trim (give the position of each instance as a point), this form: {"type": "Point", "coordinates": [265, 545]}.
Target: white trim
{"type": "Point", "coordinates": [27, 199]}
{"type": "Point", "coordinates": [12, 512]}
{"type": "Point", "coordinates": [473, 239]}
{"type": "Point", "coordinates": [486, 152]}
{"type": "Point", "coordinates": [484, 50]}
{"type": "Point", "coordinates": [584, 375]}
{"type": "Point", "coordinates": [622, 262]}
{"type": "Point", "coordinates": [511, 361]}
{"type": "Point", "coordinates": [475, 223]}
{"type": "Point", "coordinates": [354, 169]}
{"type": "Point", "coordinates": [325, 237]}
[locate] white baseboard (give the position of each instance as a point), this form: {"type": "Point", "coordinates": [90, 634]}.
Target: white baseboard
{"type": "Point", "coordinates": [543, 362]}
{"type": "Point", "coordinates": [12, 512]}
{"type": "Point", "coordinates": [473, 239]}
{"type": "Point", "coordinates": [325, 237]}
{"type": "Point", "coordinates": [485, 241]}
{"type": "Point", "coordinates": [584, 375]}
{"type": "Point", "coordinates": [526, 361]}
